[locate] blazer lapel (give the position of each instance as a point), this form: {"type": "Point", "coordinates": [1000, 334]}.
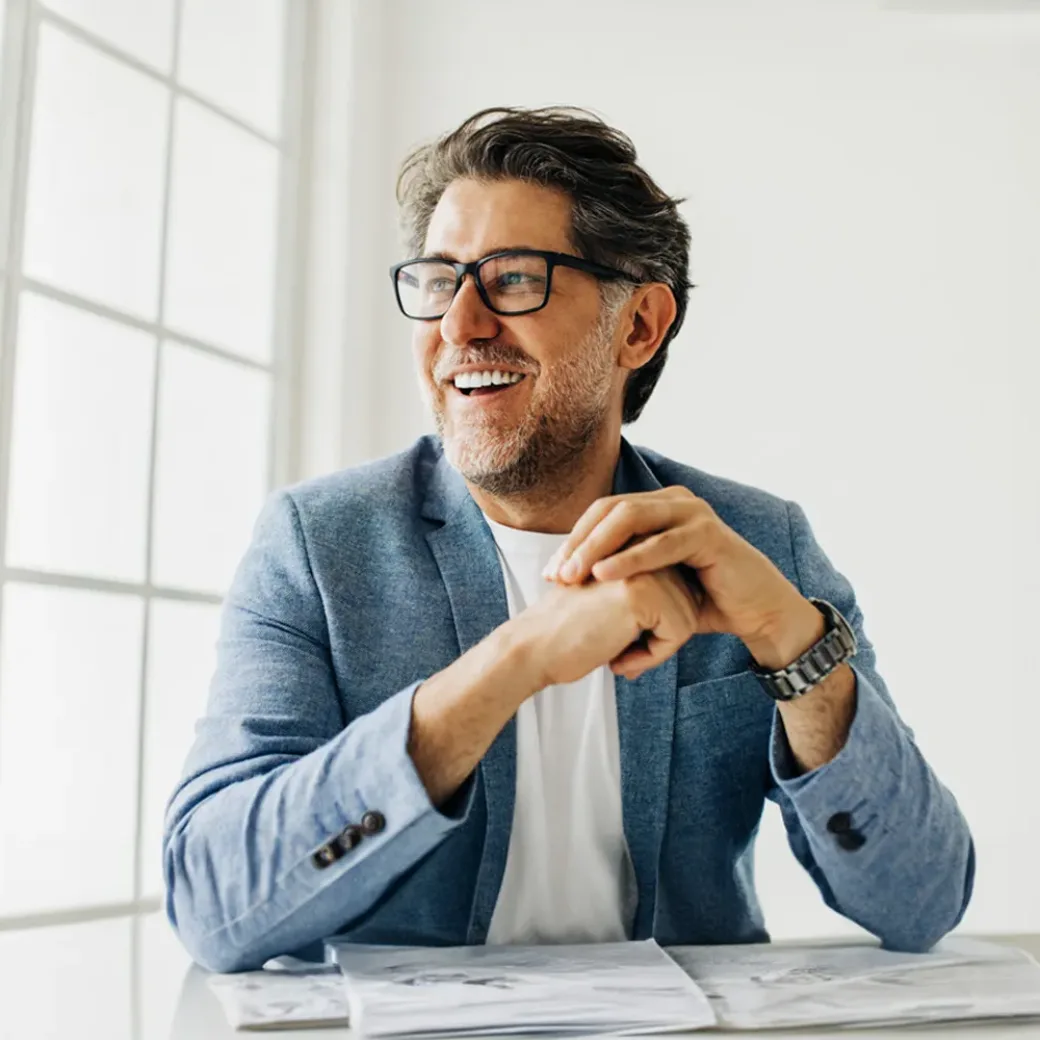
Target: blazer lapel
{"type": "Point", "coordinates": [646, 724]}
{"type": "Point", "coordinates": [467, 558]}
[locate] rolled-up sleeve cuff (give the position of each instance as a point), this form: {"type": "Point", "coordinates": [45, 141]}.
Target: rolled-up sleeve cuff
{"type": "Point", "coordinates": [867, 761]}
{"type": "Point", "coordinates": [376, 746]}
{"type": "Point", "coordinates": [368, 813]}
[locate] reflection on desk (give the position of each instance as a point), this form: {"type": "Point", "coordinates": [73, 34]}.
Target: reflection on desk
{"type": "Point", "coordinates": [129, 979]}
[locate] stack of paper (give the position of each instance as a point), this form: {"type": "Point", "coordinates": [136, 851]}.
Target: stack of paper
{"type": "Point", "coordinates": [479, 990]}
{"type": "Point", "coordinates": [282, 999]}
{"type": "Point", "coordinates": [768, 987]}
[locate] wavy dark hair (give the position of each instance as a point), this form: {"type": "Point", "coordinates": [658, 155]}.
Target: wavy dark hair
{"type": "Point", "coordinates": [620, 217]}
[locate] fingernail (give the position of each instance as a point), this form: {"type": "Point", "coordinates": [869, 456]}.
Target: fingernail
{"type": "Point", "coordinates": [569, 569]}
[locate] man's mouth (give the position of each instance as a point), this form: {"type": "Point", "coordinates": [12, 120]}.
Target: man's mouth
{"type": "Point", "coordinates": [486, 384]}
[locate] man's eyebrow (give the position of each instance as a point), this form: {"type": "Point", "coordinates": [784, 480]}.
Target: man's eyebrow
{"type": "Point", "coordinates": [448, 258]}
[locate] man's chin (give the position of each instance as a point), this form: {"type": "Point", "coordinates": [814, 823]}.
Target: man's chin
{"type": "Point", "coordinates": [481, 459]}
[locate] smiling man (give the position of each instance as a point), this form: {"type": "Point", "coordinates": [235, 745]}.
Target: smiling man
{"type": "Point", "coordinates": [525, 682]}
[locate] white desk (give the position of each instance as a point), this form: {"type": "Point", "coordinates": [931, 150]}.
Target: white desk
{"type": "Point", "coordinates": [129, 979]}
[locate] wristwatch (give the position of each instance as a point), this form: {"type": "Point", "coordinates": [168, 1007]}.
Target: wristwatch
{"type": "Point", "coordinates": [838, 644]}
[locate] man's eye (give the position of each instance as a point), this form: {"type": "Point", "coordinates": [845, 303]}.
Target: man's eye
{"type": "Point", "coordinates": [518, 280]}
{"type": "Point", "coordinates": [440, 285]}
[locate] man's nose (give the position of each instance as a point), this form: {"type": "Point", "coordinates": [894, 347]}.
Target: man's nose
{"type": "Point", "coordinates": [468, 318]}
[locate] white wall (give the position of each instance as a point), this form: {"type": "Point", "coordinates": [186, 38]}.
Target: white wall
{"type": "Point", "coordinates": [864, 198]}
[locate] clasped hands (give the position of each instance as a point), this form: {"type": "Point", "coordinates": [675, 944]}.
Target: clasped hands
{"type": "Point", "coordinates": [628, 552]}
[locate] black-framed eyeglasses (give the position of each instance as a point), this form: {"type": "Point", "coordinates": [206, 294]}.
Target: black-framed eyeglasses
{"type": "Point", "coordinates": [512, 281]}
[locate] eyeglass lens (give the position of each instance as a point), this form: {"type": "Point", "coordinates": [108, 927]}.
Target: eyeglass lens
{"type": "Point", "coordinates": [512, 283]}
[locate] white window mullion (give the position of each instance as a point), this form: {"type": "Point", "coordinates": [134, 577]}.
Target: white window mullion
{"type": "Point", "coordinates": [80, 915]}
{"type": "Point", "coordinates": [283, 443]}
{"type": "Point", "coordinates": [27, 576]}
{"type": "Point", "coordinates": [13, 19]}
{"type": "Point", "coordinates": [138, 852]}
{"type": "Point", "coordinates": [16, 104]}
{"type": "Point", "coordinates": [121, 317]}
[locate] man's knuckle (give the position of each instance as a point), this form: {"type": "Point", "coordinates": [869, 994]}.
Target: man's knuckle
{"type": "Point", "coordinates": [701, 523]}
{"type": "Point", "coordinates": [624, 509]}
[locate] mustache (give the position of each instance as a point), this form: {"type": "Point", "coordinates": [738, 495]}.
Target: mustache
{"type": "Point", "coordinates": [494, 354]}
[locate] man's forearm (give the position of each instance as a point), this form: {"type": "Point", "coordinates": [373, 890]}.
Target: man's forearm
{"type": "Point", "coordinates": [267, 850]}
{"type": "Point", "coordinates": [457, 713]}
{"type": "Point", "coordinates": [816, 724]}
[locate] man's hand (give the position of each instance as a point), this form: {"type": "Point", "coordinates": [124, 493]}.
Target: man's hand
{"type": "Point", "coordinates": [741, 590]}
{"type": "Point", "coordinates": [577, 628]}
{"type": "Point", "coordinates": [738, 590]}
{"type": "Point", "coordinates": [458, 712]}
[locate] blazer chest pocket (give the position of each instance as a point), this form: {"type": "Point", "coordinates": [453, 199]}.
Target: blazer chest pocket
{"type": "Point", "coordinates": [738, 696]}
{"type": "Point", "coordinates": [720, 756]}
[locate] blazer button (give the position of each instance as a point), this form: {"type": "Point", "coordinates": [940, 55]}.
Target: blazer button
{"type": "Point", "coordinates": [851, 840]}
{"type": "Point", "coordinates": [326, 856]}
{"type": "Point", "coordinates": [372, 822]}
{"type": "Point", "coordinates": [350, 838]}
{"type": "Point", "coordinates": [839, 823]}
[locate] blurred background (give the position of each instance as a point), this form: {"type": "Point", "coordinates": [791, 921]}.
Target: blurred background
{"type": "Point", "coordinates": [196, 219]}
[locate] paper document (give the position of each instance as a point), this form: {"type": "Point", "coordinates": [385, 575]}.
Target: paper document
{"type": "Point", "coordinates": [764, 986]}
{"type": "Point", "coordinates": [282, 999]}
{"type": "Point", "coordinates": [630, 988]}
{"type": "Point", "coordinates": [749, 987]}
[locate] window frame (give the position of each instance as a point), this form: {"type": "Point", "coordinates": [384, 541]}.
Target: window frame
{"type": "Point", "coordinates": [23, 20]}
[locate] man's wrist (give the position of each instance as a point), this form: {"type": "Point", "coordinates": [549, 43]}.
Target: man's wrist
{"type": "Point", "coordinates": [459, 711]}
{"type": "Point", "coordinates": [797, 630]}
{"type": "Point", "coordinates": [520, 651]}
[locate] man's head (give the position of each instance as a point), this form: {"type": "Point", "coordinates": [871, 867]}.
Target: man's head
{"type": "Point", "coordinates": [558, 181]}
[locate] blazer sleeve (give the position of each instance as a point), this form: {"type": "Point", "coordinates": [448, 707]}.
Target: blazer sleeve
{"type": "Point", "coordinates": [256, 859]}
{"type": "Point", "coordinates": [879, 834]}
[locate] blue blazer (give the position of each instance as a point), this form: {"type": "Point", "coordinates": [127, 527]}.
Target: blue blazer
{"type": "Point", "coordinates": [359, 585]}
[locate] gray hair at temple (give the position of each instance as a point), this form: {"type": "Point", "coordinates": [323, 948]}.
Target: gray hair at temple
{"type": "Point", "coordinates": [620, 217]}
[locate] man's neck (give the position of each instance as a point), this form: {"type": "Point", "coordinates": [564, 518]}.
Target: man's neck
{"type": "Point", "coordinates": [555, 507]}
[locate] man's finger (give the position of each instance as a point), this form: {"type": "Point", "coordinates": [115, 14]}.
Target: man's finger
{"type": "Point", "coordinates": [586, 522]}
{"type": "Point", "coordinates": [634, 516]}
{"type": "Point", "coordinates": [644, 556]}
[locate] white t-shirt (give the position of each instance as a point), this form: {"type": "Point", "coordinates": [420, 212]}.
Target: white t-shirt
{"type": "Point", "coordinates": [568, 875]}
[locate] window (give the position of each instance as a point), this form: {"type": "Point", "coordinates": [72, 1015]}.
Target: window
{"type": "Point", "coordinates": [147, 156]}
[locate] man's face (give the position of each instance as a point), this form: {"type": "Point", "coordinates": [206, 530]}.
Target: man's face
{"type": "Point", "coordinates": [511, 439]}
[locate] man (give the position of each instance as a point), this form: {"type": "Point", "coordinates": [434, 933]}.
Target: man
{"type": "Point", "coordinates": [525, 682]}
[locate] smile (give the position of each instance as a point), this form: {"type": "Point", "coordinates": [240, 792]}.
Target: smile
{"type": "Point", "coordinates": [486, 384]}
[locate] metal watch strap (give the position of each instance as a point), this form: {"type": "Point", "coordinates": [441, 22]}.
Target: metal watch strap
{"type": "Point", "coordinates": [837, 645]}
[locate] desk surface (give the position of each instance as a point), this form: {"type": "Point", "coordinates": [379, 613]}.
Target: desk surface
{"type": "Point", "coordinates": [129, 979]}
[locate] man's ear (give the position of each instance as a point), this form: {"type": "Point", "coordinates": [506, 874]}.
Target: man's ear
{"type": "Point", "coordinates": [650, 314]}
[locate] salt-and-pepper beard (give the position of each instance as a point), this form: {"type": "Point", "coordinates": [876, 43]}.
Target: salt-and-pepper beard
{"type": "Point", "coordinates": [567, 414]}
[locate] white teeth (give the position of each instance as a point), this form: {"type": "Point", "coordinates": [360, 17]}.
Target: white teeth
{"type": "Point", "coordinates": [471, 380]}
